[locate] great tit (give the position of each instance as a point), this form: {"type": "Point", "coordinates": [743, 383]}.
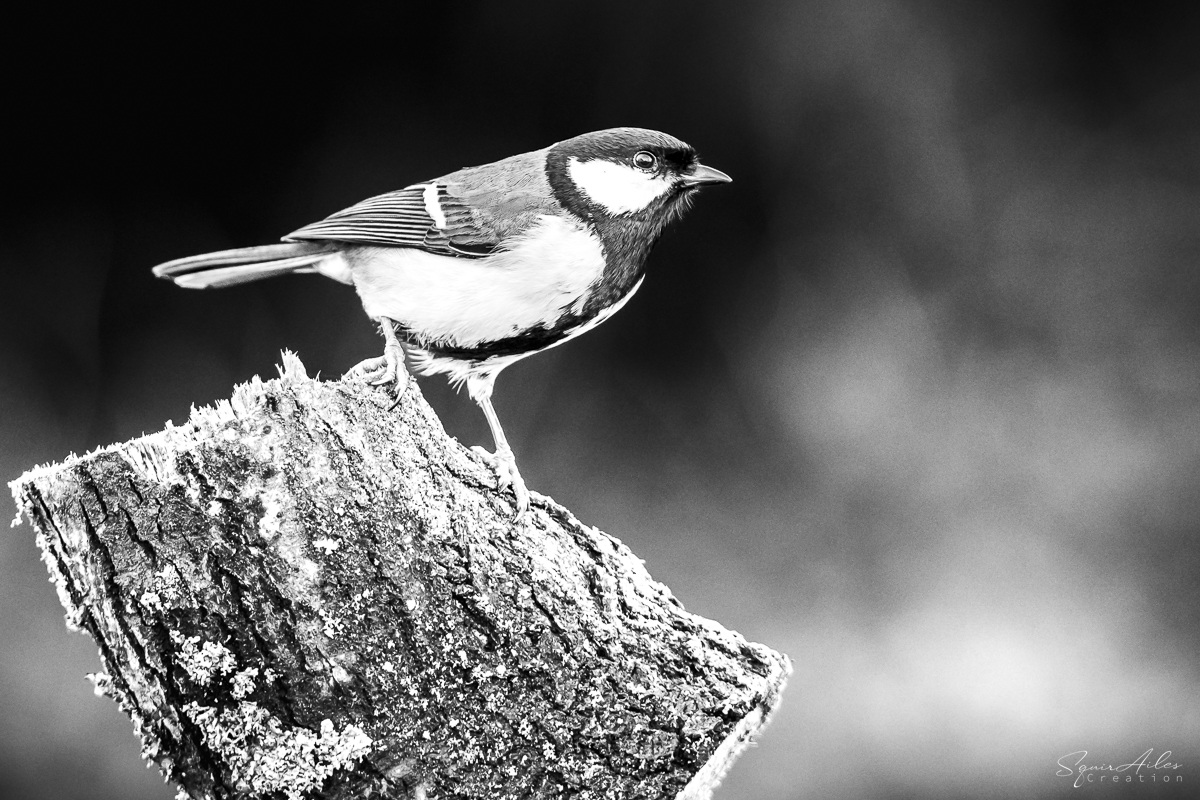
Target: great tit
{"type": "Point", "coordinates": [471, 272]}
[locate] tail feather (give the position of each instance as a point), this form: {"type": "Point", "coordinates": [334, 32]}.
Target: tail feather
{"type": "Point", "coordinates": [231, 267]}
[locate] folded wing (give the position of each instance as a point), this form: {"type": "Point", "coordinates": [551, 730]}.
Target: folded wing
{"type": "Point", "coordinates": [424, 216]}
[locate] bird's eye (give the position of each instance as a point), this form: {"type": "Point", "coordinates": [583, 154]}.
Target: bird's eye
{"type": "Point", "coordinates": [645, 160]}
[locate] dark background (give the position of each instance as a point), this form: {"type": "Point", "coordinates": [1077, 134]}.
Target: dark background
{"type": "Point", "coordinates": [913, 400]}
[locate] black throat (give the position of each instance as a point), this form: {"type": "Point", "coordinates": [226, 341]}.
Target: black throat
{"type": "Point", "coordinates": [627, 239]}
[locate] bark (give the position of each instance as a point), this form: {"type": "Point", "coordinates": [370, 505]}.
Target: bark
{"type": "Point", "coordinates": [302, 593]}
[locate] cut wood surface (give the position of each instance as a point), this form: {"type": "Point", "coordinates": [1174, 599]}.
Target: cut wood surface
{"type": "Point", "coordinates": [302, 593]}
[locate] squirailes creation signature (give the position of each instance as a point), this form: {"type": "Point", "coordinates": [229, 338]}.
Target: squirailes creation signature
{"type": "Point", "coordinates": [1072, 766]}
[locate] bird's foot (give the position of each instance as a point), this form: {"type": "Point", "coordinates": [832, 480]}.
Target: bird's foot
{"type": "Point", "coordinates": [504, 464]}
{"type": "Point", "coordinates": [364, 368]}
{"type": "Point", "coordinates": [385, 369]}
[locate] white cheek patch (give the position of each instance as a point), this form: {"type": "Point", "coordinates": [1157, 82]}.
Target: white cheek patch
{"type": "Point", "coordinates": [620, 189]}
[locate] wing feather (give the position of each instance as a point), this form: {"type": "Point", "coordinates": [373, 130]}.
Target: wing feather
{"type": "Point", "coordinates": [479, 209]}
{"type": "Point", "coordinates": [402, 219]}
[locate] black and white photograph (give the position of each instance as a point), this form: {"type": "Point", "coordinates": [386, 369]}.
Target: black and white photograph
{"type": "Point", "coordinates": [662, 400]}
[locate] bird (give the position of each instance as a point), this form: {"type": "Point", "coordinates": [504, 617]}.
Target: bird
{"type": "Point", "coordinates": [471, 272]}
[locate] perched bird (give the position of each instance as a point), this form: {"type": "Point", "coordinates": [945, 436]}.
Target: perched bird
{"type": "Point", "coordinates": [473, 271]}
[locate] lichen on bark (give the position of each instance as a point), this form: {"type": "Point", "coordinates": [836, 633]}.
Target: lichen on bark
{"type": "Point", "coordinates": [304, 593]}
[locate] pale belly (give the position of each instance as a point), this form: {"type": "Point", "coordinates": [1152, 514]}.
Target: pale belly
{"type": "Point", "coordinates": [468, 301]}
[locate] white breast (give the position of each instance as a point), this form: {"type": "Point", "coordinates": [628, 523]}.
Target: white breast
{"type": "Point", "coordinates": [467, 301]}
{"type": "Point", "coordinates": [458, 370]}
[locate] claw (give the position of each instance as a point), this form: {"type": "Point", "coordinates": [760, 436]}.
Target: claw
{"type": "Point", "coordinates": [393, 365]}
{"type": "Point", "coordinates": [388, 368]}
{"type": "Point", "coordinates": [504, 464]}
{"type": "Point", "coordinates": [366, 369]}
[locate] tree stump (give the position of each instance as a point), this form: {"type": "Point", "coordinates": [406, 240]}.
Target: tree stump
{"type": "Point", "coordinates": [302, 593]}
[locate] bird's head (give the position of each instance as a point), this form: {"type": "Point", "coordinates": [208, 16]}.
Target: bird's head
{"type": "Point", "coordinates": [633, 174]}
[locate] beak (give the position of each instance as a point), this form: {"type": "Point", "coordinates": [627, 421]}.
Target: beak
{"type": "Point", "coordinates": [700, 175]}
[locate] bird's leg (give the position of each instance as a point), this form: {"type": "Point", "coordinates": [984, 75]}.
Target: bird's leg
{"type": "Point", "coordinates": [502, 461]}
{"type": "Point", "coordinates": [390, 366]}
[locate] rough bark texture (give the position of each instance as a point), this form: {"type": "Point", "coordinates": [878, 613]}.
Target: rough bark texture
{"type": "Point", "coordinates": [302, 593]}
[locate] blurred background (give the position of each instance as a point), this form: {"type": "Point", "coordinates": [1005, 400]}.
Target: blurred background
{"type": "Point", "coordinates": [914, 400]}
